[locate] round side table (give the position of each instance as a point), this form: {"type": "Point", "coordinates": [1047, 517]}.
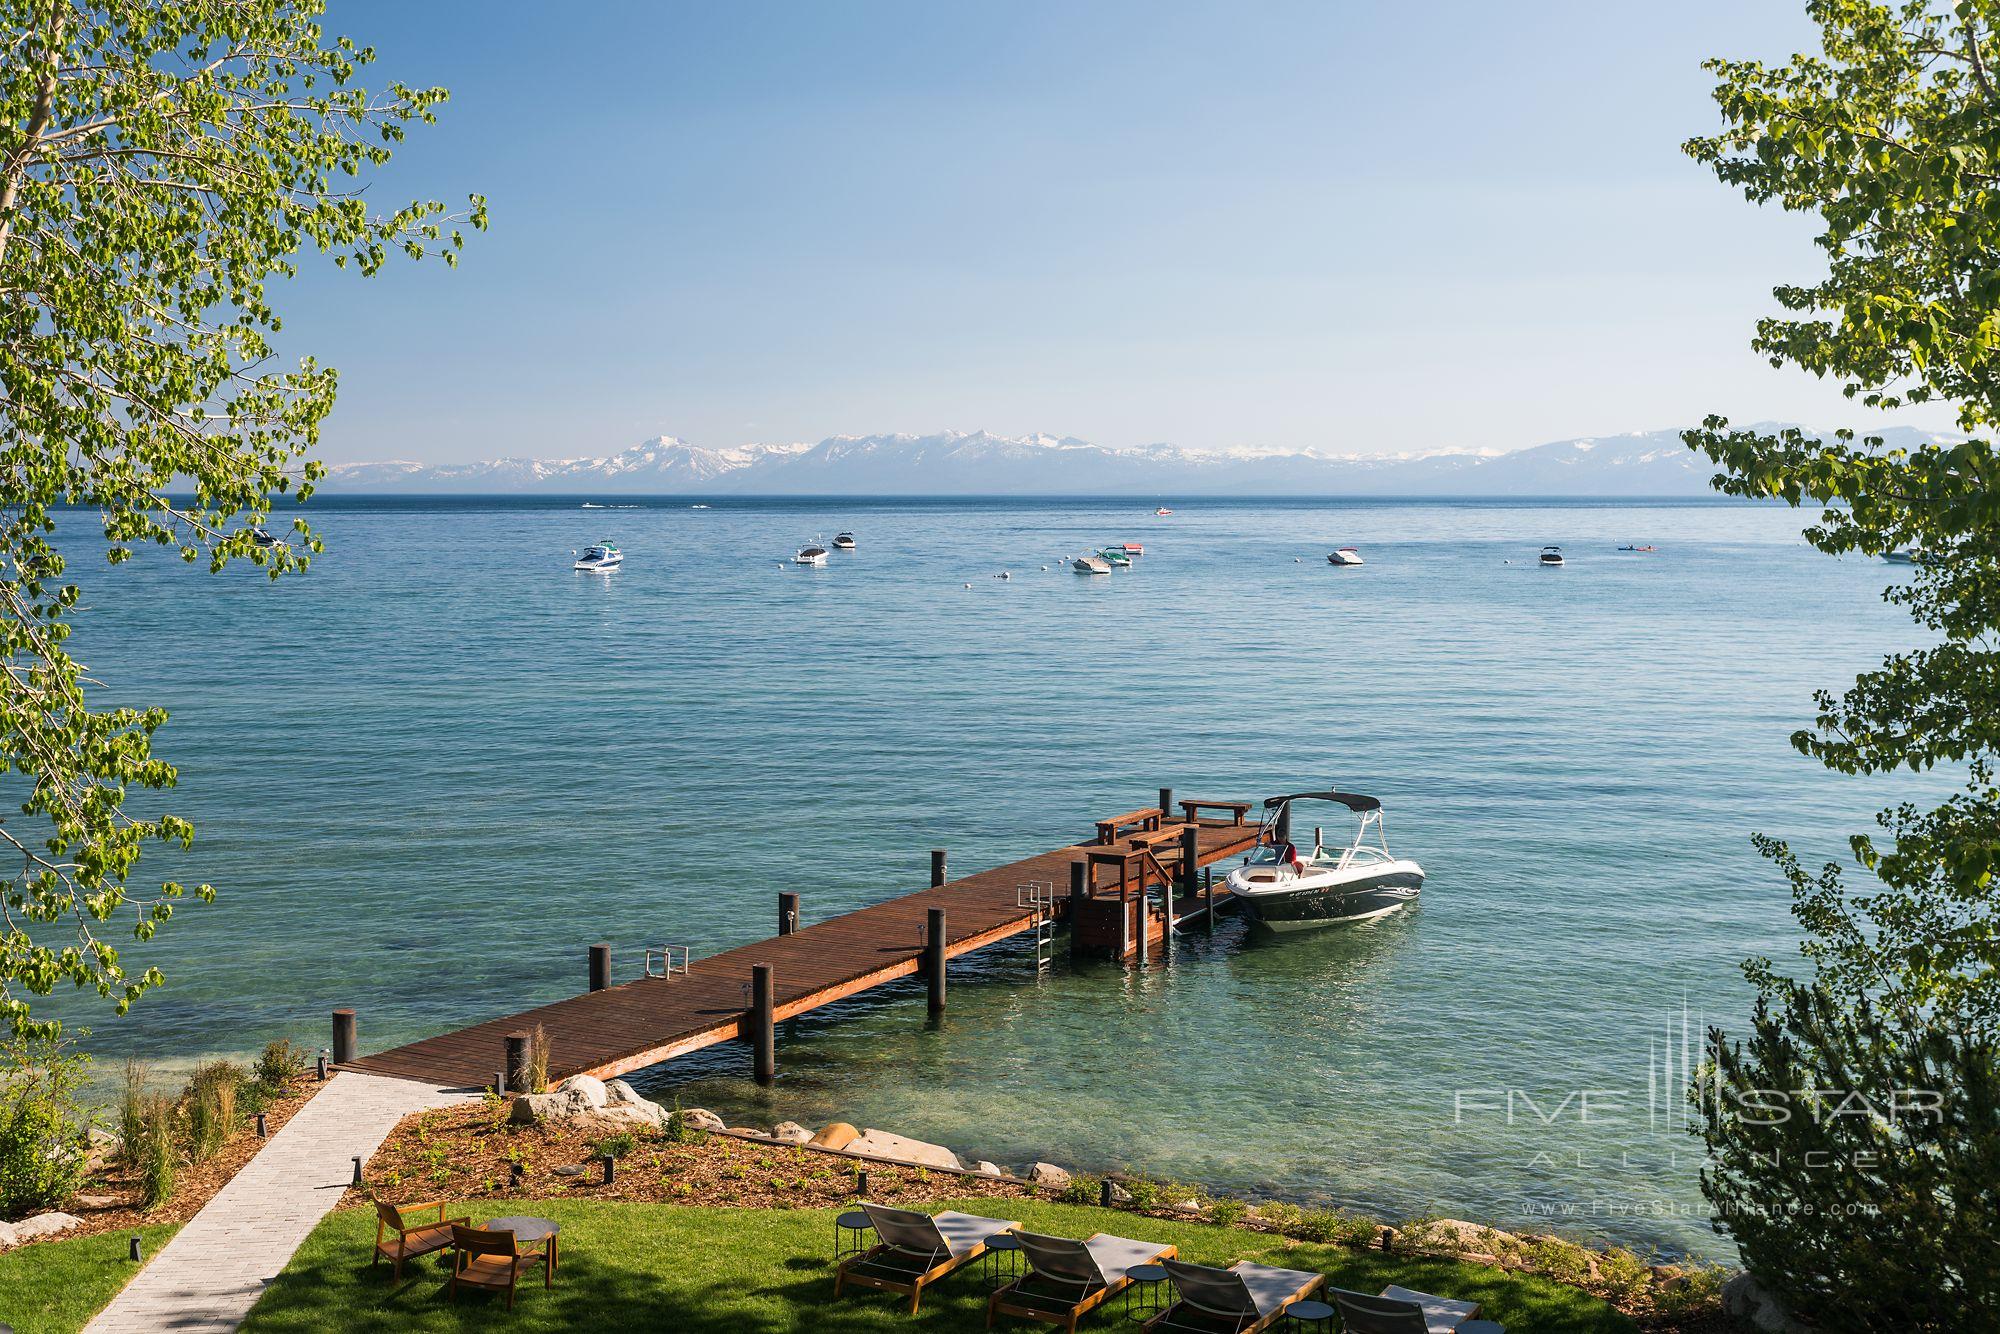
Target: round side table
{"type": "Point", "coordinates": [850, 1234]}
{"type": "Point", "coordinates": [1309, 1315]}
{"type": "Point", "coordinates": [1143, 1298]}
{"type": "Point", "coordinates": [1001, 1264]}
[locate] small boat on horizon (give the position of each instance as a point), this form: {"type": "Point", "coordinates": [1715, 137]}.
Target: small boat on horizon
{"type": "Point", "coordinates": [1644, 548]}
{"type": "Point", "coordinates": [1285, 891]}
{"type": "Point", "coordinates": [1163, 510]}
{"type": "Point", "coordinates": [810, 554]}
{"type": "Point", "coordinates": [600, 559]}
{"type": "Point", "coordinates": [1091, 565]}
{"type": "Point", "coordinates": [844, 542]}
{"type": "Point", "coordinates": [263, 538]}
{"type": "Point", "coordinates": [699, 507]}
{"type": "Point", "coordinates": [1345, 556]}
{"type": "Point", "coordinates": [1552, 556]}
{"type": "Point", "coordinates": [1906, 555]}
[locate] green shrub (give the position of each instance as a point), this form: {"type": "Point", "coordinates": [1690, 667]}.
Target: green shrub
{"type": "Point", "coordinates": [43, 1128]}
{"type": "Point", "coordinates": [1226, 1212]}
{"type": "Point", "coordinates": [1698, 1288]}
{"type": "Point", "coordinates": [281, 1065]}
{"type": "Point", "coordinates": [1552, 1257]}
{"type": "Point", "coordinates": [1279, 1214]}
{"type": "Point", "coordinates": [1335, 1227]}
{"type": "Point", "coordinates": [1623, 1274]}
{"type": "Point", "coordinates": [1080, 1189]}
{"type": "Point", "coordinates": [615, 1146]}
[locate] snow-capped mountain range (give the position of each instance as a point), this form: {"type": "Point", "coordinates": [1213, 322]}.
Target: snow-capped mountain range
{"type": "Point", "coordinates": [1649, 463]}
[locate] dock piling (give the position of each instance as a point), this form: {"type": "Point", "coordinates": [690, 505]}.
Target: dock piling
{"type": "Point", "coordinates": [1208, 894]}
{"type": "Point", "coordinates": [763, 1036]}
{"type": "Point", "coordinates": [600, 967]}
{"type": "Point", "coordinates": [788, 913]}
{"type": "Point", "coordinates": [343, 1037]}
{"type": "Point", "coordinates": [1190, 858]}
{"type": "Point", "coordinates": [934, 941]}
{"type": "Point", "coordinates": [937, 867]}
{"type": "Point", "coordinates": [1166, 804]}
{"type": "Point", "coordinates": [1078, 878]}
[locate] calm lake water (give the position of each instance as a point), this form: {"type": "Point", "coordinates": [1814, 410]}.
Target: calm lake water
{"type": "Point", "coordinates": [428, 774]}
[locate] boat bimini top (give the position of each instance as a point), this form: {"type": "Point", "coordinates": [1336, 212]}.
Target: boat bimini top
{"type": "Point", "coordinates": [1274, 837]}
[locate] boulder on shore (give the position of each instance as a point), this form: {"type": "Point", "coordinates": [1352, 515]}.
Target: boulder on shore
{"type": "Point", "coordinates": [902, 1149]}
{"type": "Point", "coordinates": [1048, 1174]}
{"type": "Point", "coordinates": [987, 1169]}
{"type": "Point", "coordinates": [837, 1135]}
{"type": "Point", "coordinates": [1748, 1300]}
{"type": "Point", "coordinates": [791, 1132]}
{"type": "Point", "coordinates": [40, 1225]}
{"type": "Point", "coordinates": [573, 1097]}
{"type": "Point", "coordinates": [700, 1118]}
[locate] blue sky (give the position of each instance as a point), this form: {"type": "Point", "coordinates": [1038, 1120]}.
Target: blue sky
{"type": "Point", "coordinates": [1355, 227]}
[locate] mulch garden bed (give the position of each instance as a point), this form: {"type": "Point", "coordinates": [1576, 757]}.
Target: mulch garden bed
{"type": "Point", "coordinates": [466, 1153]}
{"type": "Point", "coordinates": [108, 1200]}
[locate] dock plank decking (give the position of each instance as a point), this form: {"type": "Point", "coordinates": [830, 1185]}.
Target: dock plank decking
{"type": "Point", "coordinates": [648, 1020]}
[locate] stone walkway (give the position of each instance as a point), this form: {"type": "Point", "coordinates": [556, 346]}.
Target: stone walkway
{"type": "Point", "coordinates": [212, 1271]}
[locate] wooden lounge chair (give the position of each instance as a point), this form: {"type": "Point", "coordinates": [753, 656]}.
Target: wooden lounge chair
{"type": "Point", "coordinates": [916, 1250]}
{"type": "Point", "coordinates": [1401, 1311]}
{"type": "Point", "coordinates": [400, 1235]}
{"type": "Point", "coordinates": [494, 1260]}
{"type": "Point", "coordinates": [1066, 1280]}
{"type": "Point", "coordinates": [1241, 1299]}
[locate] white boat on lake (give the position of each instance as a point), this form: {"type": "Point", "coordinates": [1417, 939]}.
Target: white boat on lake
{"type": "Point", "coordinates": [600, 559]}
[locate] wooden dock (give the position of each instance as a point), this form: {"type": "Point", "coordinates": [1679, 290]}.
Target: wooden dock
{"type": "Point", "coordinates": [1114, 887]}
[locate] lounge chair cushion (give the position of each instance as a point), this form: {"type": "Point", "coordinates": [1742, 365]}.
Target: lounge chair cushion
{"type": "Point", "coordinates": [1442, 1315]}
{"type": "Point", "coordinates": [968, 1232]}
{"type": "Point", "coordinates": [1272, 1288]}
{"type": "Point", "coordinates": [1116, 1255]}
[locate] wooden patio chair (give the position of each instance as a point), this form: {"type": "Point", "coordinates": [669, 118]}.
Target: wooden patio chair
{"type": "Point", "coordinates": [401, 1235]}
{"type": "Point", "coordinates": [1242, 1299]}
{"type": "Point", "coordinates": [916, 1250]}
{"type": "Point", "coordinates": [494, 1260]}
{"type": "Point", "coordinates": [1067, 1280]}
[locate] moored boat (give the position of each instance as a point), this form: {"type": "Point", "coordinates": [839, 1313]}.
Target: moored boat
{"type": "Point", "coordinates": [600, 559]}
{"type": "Point", "coordinates": [1286, 891]}
{"type": "Point", "coordinates": [1344, 556]}
{"type": "Point", "coordinates": [844, 542]}
{"type": "Point", "coordinates": [1090, 565]}
{"type": "Point", "coordinates": [812, 553]}
{"type": "Point", "coordinates": [1552, 556]}
{"type": "Point", "coordinates": [1134, 548]}
{"type": "Point", "coordinates": [1115, 557]}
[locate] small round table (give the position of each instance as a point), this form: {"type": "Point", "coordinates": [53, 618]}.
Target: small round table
{"type": "Point", "coordinates": [849, 1234]}
{"type": "Point", "coordinates": [1001, 1264]}
{"type": "Point", "coordinates": [1142, 1297]}
{"type": "Point", "coordinates": [528, 1231]}
{"type": "Point", "coordinates": [1309, 1315]}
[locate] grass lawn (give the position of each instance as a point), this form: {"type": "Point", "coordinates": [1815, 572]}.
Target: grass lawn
{"type": "Point", "coordinates": [659, 1266]}
{"type": "Point", "coordinates": [53, 1287]}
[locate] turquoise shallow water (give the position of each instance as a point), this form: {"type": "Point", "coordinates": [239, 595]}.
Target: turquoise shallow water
{"type": "Point", "coordinates": [429, 773]}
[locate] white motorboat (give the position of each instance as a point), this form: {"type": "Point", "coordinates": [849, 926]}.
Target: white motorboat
{"type": "Point", "coordinates": [1909, 555]}
{"type": "Point", "coordinates": [844, 542]}
{"type": "Point", "coordinates": [1552, 556]}
{"type": "Point", "coordinates": [810, 554]}
{"type": "Point", "coordinates": [1090, 565]}
{"type": "Point", "coordinates": [1286, 891]}
{"type": "Point", "coordinates": [1344, 556]}
{"type": "Point", "coordinates": [600, 559]}
{"type": "Point", "coordinates": [1116, 558]}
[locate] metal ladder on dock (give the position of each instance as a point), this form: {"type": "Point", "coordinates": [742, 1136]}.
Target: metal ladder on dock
{"type": "Point", "coordinates": [1039, 898]}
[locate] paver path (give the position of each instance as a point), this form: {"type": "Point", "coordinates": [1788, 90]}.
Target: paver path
{"type": "Point", "coordinates": [212, 1271]}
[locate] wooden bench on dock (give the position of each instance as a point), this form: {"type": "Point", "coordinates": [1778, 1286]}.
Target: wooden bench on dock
{"type": "Point", "coordinates": [1239, 811]}
{"type": "Point", "coordinates": [1144, 820]}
